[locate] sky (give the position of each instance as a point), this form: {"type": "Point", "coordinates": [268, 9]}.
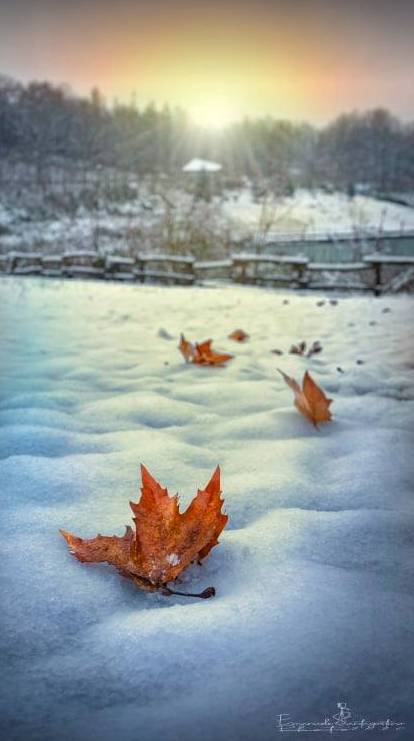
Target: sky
{"type": "Point", "coordinates": [221, 60]}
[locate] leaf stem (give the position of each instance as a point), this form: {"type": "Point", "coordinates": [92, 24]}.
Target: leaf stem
{"type": "Point", "coordinates": [206, 594]}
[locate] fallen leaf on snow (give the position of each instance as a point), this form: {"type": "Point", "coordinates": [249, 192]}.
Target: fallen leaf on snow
{"type": "Point", "coordinates": [165, 541]}
{"type": "Point", "coordinates": [314, 348]}
{"type": "Point", "coordinates": [201, 353]}
{"type": "Point", "coordinates": [187, 349]}
{"type": "Point", "coordinates": [310, 400]}
{"type": "Point", "coordinates": [300, 349]}
{"type": "Point", "coordinates": [239, 335]}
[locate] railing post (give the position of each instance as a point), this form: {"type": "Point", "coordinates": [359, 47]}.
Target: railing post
{"type": "Point", "coordinates": [239, 270]}
{"type": "Point", "coordinates": [193, 272]}
{"type": "Point", "coordinates": [139, 261]}
{"type": "Point", "coordinates": [301, 268]}
{"type": "Point", "coordinates": [12, 262]}
{"type": "Point", "coordinates": [189, 268]}
{"type": "Point", "coordinates": [378, 278]}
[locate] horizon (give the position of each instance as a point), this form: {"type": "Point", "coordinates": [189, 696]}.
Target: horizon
{"type": "Point", "coordinates": [307, 61]}
{"type": "Point", "coordinates": [110, 105]}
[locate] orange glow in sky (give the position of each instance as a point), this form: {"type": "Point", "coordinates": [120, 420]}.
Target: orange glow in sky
{"type": "Point", "coordinates": [298, 59]}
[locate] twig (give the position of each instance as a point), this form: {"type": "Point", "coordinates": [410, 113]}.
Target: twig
{"type": "Point", "coordinates": [206, 594]}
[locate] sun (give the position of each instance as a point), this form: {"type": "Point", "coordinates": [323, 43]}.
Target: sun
{"type": "Point", "coordinates": [213, 114]}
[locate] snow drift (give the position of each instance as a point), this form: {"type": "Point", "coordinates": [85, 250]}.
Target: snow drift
{"type": "Point", "coordinates": [314, 573]}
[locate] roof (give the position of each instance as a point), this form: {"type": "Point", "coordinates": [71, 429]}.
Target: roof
{"type": "Point", "coordinates": [197, 165]}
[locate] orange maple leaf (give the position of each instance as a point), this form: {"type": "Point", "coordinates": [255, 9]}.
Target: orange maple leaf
{"type": "Point", "coordinates": [201, 353]}
{"type": "Point", "coordinates": [238, 335]}
{"type": "Point", "coordinates": [165, 541]}
{"type": "Point", "coordinates": [310, 400]}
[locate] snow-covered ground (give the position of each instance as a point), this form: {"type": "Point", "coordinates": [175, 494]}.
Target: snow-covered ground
{"type": "Point", "coordinates": [316, 212]}
{"type": "Point", "coordinates": [146, 223]}
{"type": "Point", "coordinates": [314, 573]}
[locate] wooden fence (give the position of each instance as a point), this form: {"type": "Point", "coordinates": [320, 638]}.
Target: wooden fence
{"type": "Point", "coordinates": [377, 273]}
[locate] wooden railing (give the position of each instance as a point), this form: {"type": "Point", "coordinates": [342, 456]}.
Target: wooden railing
{"type": "Point", "coordinates": [378, 273]}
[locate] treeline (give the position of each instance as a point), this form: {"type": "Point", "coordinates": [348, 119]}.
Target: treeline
{"type": "Point", "coordinates": [40, 121]}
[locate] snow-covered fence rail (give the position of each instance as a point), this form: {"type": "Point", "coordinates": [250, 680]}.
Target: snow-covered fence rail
{"type": "Point", "coordinates": [378, 273]}
{"type": "Point", "coordinates": [338, 247]}
{"type": "Point", "coordinates": [213, 269]}
{"type": "Point", "coordinates": [261, 269]}
{"type": "Point", "coordinates": [341, 275]}
{"type": "Point", "coordinates": [299, 272]}
{"type": "Point", "coordinates": [392, 272]}
{"type": "Point", "coordinates": [176, 268]}
{"type": "Point", "coordinates": [91, 264]}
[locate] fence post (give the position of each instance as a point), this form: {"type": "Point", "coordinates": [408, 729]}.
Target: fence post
{"type": "Point", "coordinates": [378, 278]}
{"type": "Point", "coordinates": [238, 270]}
{"type": "Point", "coordinates": [140, 262]}
{"type": "Point", "coordinates": [302, 281]}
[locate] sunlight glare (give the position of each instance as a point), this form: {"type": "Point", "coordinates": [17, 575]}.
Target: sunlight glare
{"type": "Point", "coordinates": [213, 114]}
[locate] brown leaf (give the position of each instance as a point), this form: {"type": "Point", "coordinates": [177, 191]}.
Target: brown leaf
{"type": "Point", "coordinates": [314, 348]}
{"type": "Point", "coordinates": [187, 349]}
{"type": "Point", "coordinates": [310, 400]}
{"type": "Point", "coordinates": [298, 349]}
{"type": "Point", "coordinates": [205, 355]}
{"type": "Point", "coordinates": [239, 335]}
{"type": "Point", "coordinates": [165, 541]}
{"type": "Point", "coordinates": [201, 353]}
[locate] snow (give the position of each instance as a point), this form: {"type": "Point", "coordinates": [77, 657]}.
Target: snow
{"type": "Point", "coordinates": [140, 223]}
{"type": "Point", "coordinates": [173, 559]}
{"type": "Point", "coordinates": [198, 165]}
{"type": "Point", "coordinates": [314, 573]}
{"type": "Point", "coordinates": [316, 213]}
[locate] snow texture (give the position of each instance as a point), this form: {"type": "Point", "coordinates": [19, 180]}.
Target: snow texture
{"type": "Point", "coordinates": [315, 212]}
{"type": "Point", "coordinates": [118, 226]}
{"type": "Point", "coordinates": [314, 573]}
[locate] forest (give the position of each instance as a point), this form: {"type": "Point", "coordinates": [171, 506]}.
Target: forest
{"type": "Point", "coordinates": [41, 122]}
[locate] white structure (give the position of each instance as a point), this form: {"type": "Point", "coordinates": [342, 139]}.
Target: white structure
{"type": "Point", "coordinates": [197, 165]}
